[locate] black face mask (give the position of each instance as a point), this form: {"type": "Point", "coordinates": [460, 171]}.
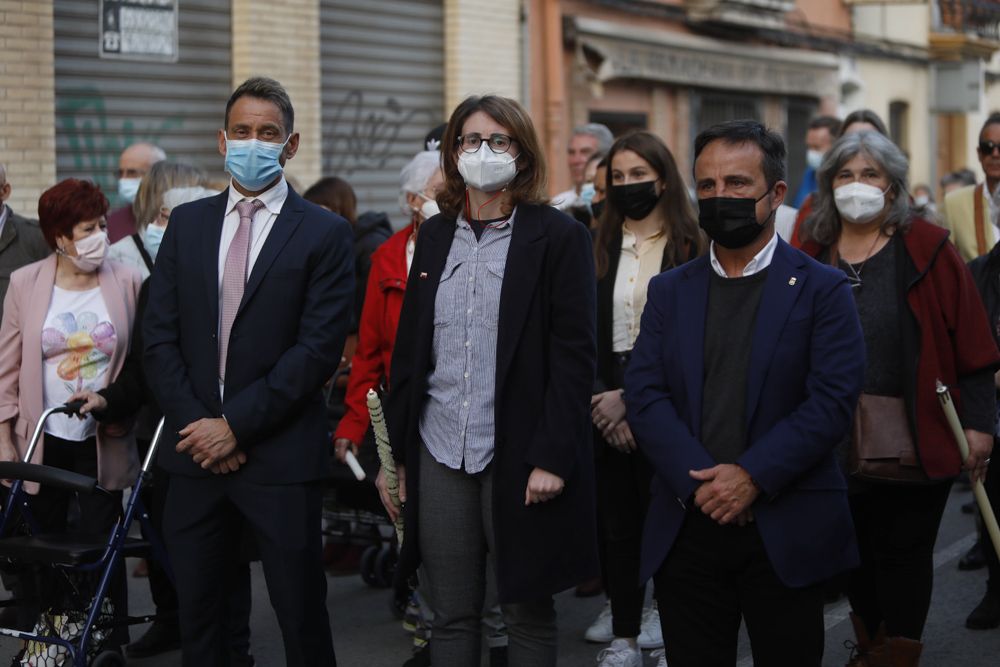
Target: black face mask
{"type": "Point", "coordinates": [635, 200]}
{"type": "Point", "coordinates": [731, 221]}
{"type": "Point", "coordinates": [597, 207]}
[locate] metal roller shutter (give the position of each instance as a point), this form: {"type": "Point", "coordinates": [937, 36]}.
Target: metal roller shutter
{"type": "Point", "coordinates": [383, 90]}
{"type": "Point", "coordinates": [103, 105]}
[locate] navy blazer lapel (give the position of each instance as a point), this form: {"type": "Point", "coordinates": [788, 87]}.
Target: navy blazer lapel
{"type": "Point", "coordinates": [521, 274]}
{"type": "Point", "coordinates": [216, 214]}
{"type": "Point", "coordinates": [692, 305]}
{"type": "Point", "coordinates": [284, 226]}
{"type": "Point", "coordinates": [785, 281]}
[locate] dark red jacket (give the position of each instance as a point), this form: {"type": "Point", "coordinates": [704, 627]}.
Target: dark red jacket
{"type": "Point", "coordinates": [952, 339]}
{"type": "Point", "coordinates": [121, 223]}
{"type": "Point", "coordinates": [376, 333]}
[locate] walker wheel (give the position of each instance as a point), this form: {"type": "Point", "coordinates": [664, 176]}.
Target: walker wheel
{"type": "Point", "coordinates": [367, 565]}
{"type": "Point", "coordinates": [385, 566]}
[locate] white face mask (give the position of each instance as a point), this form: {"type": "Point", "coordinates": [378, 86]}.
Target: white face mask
{"type": "Point", "coordinates": [90, 252]}
{"type": "Point", "coordinates": [921, 200]}
{"type": "Point", "coordinates": [429, 209]}
{"type": "Point", "coordinates": [859, 202]}
{"type": "Point", "coordinates": [128, 188]}
{"type": "Point", "coordinates": [814, 159]}
{"type": "Point", "coordinates": [487, 171]}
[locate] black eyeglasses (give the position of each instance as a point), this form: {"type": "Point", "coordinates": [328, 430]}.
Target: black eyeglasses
{"type": "Point", "coordinates": [498, 143]}
{"type": "Point", "coordinates": [987, 147]}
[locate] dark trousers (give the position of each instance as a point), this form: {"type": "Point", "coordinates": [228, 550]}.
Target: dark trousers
{"type": "Point", "coordinates": [96, 515]}
{"type": "Point", "coordinates": [896, 526]}
{"type": "Point", "coordinates": [203, 525]}
{"type": "Point", "coordinates": [622, 499]}
{"type": "Point", "coordinates": [154, 499]}
{"type": "Point", "coordinates": [992, 485]}
{"type": "Point", "coordinates": [714, 576]}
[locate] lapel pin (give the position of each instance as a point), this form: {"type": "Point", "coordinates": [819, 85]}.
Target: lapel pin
{"type": "Point", "coordinates": [792, 280]}
{"type": "Point", "coordinates": [423, 275]}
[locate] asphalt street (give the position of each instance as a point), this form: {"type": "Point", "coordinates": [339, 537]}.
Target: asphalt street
{"type": "Point", "coordinates": [366, 634]}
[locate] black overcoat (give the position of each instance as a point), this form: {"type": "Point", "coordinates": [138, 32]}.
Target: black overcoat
{"type": "Point", "coordinates": [546, 360]}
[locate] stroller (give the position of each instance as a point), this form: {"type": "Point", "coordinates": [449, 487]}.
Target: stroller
{"type": "Point", "coordinates": [75, 635]}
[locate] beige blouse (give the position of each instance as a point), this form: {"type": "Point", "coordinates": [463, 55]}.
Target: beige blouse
{"type": "Point", "coordinates": [636, 266]}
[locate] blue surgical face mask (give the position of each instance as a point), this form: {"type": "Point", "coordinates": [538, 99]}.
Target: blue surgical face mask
{"type": "Point", "coordinates": [253, 163]}
{"type": "Point", "coordinates": [128, 188]}
{"type": "Point", "coordinates": [152, 238]}
{"type": "Point", "coordinates": [587, 193]}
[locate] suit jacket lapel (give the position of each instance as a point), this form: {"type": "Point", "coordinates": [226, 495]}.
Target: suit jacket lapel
{"type": "Point", "coordinates": [216, 215]}
{"type": "Point", "coordinates": [785, 281]}
{"type": "Point", "coordinates": [692, 303]}
{"type": "Point", "coordinates": [9, 230]}
{"type": "Point", "coordinates": [284, 226]}
{"type": "Point", "coordinates": [521, 275]}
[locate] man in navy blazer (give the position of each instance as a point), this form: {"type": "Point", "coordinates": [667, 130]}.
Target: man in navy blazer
{"type": "Point", "coordinates": [742, 383]}
{"type": "Point", "coordinates": [248, 311]}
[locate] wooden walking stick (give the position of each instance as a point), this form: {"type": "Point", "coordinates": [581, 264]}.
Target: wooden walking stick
{"type": "Point", "coordinates": [385, 456]}
{"type": "Point", "coordinates": [985, 509]}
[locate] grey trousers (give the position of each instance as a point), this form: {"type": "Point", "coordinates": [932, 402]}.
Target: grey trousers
{"type": "Point", "coordinates": [456, 532]}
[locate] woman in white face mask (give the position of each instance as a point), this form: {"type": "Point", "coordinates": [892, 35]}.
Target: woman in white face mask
{"type": "Point", "coordinates": [922, 321]}
{"type": "Point", "coordinates": [66, 327]}
{"type": "Point", "coordinates": [489, 401]}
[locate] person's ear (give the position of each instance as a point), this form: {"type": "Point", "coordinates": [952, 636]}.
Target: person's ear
{"type": "Point", "coordinates": [221, 138]}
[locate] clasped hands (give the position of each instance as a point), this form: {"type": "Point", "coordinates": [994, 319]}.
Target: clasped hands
{"type": "Point", "coordinates": [212, 445]}
{"type": "Point", "coordinates": [725, 494]}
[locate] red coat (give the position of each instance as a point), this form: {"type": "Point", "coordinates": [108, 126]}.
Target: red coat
{"type": "Point", "coordinates": [953, 338]}
{"type": "Point", "coordinates": [376, 333]}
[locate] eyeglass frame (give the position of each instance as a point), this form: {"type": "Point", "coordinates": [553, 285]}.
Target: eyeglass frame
{"type": "Point", "coordinates": [460, 140]}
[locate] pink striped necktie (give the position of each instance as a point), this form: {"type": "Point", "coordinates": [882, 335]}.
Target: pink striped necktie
{"type": "Point", "coordinates": [234, 277]}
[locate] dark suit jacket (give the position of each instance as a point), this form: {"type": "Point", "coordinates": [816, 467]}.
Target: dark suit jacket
{"type": "Point", "coordinates": [545, 372]}
{"type": "Point", "coordinates": [286, 341]}
{"type": "Point", "coordinates": [806, 371]}
{"type": "Point", "coordinates": [21, 243]}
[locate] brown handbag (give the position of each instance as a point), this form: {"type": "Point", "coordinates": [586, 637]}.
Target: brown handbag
{"type": "Point", "coordinates": [882, 446]}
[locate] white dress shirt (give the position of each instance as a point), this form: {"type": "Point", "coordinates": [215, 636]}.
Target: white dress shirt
{"type": "Point", "coordinates": [273, 199]}
{"type": "Point", "coordinates": [760, 261]}
{"type": "Point", "coordinates": [263, 220]}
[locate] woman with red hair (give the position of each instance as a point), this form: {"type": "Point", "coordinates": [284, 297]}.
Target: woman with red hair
{"type": "Point", "coordinates": [66, 326]}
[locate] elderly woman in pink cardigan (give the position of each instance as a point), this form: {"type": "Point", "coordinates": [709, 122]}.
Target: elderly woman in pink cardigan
{"type": "Point", "coordinates": [66, 326]}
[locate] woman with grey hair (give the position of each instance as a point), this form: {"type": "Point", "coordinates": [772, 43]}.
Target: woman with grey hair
{"type": "Point", "coordinates": [922, 321]}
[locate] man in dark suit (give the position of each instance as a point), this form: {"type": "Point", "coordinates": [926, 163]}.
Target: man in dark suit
{"type": "Point", "coordinates": [21, 240]}
{"type": "Point", "coordinates": [248, 311]}
{"type": "Point", "coordinates": [742, 382]}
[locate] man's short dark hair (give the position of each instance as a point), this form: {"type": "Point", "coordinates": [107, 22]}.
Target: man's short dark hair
{"type": "Point", "coordinates": [993, 119]}
{"type": "Point", "coordinates": [831, 123]}
{"type": "Point", "coordinates": [265, 89]}
{"type": "Point", "coordinates": [739, 132]}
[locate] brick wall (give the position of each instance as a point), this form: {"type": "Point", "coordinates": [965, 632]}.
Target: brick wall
{"type": "Point", "coordinates": [27, 101]}
{"type": "Point", "coordinates": [285, 47]}
{"type": "Point", "coordinates": [482, 49]}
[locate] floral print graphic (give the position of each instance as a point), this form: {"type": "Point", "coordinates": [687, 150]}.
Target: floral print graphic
{"type": "Point", "coordinates": [81, 346]}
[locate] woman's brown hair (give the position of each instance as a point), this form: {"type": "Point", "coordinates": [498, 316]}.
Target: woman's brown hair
{"type": "Point", "coordinates": [680, 224]}
{"type": "Point", "coordinates": [528, 187]}
{"type": "Point", "coordinates": [335, 194]}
